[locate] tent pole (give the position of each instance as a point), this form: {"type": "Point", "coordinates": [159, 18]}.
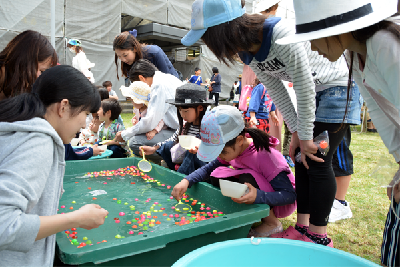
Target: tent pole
{"type": "Point", "coordinates": [53, 22]}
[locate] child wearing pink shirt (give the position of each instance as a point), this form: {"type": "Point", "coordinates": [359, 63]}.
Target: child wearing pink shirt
{"type": "Point", "coordinates": [254, 161]}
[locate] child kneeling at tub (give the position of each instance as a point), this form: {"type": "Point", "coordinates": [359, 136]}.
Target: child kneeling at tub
{"type": "Point", "coordinates": [191, 103]}
{"type": "Point", "coordinates": [108, 115]}
{"type": "Point", "coordinates": [253, 161]}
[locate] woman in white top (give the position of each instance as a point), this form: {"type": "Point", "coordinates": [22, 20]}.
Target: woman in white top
{"type": "Point", "coordinates": [373, 43]}
{"type": "Point", "coordinates": [80, 61]}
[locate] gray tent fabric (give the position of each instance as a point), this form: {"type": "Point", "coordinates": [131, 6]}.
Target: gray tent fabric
{"type": "Point", "coordinates": [18, 16]}
{"type": "Point", "coordinates": [96, 23]}
{"type": "Point", "coordinates": [154, 10]}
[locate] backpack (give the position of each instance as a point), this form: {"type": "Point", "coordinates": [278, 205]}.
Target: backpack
{"type": "Point", "coordinates": [246, 96]}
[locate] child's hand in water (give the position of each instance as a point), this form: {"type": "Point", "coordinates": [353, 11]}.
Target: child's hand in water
{"type": "Point", "coordinates": [90, 216]}
{"type": "Point", "coordinates": [249, 198]}
{"type": "Point", "coordinates": [194, 150]}
{"type": "Point", "coordinates": [180, 189]}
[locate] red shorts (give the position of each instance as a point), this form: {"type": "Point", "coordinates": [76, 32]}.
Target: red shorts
{"type": "Point", "coordinates": [263, 124]}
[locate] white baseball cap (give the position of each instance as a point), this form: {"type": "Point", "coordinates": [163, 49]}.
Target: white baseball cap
{"type": "Point", "coordinates": [218, 126]}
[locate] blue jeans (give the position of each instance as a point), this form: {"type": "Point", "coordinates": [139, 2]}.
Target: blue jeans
{"type": "Point", "coordinates": [190, 162]}
{"type": "Point", "coordinates": [331, 105]}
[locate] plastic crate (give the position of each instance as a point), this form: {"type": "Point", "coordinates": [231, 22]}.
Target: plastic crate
{"type": "Point", "coordinates": [164, 247]}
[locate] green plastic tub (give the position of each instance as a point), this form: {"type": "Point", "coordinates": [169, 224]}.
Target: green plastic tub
{"type": "Point", "coordinates": [161, 247]}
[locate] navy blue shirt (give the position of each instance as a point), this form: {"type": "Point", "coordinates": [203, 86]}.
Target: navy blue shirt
{"type": "Point", "coordinates": [217, 85]}
{"type": "Point", "coordinates": [284, 192]}
{"type": "Point", "coordinates": [257, 103]}
{"type": "Point", "coordinates": [80, 153]}
{"type": "Point", "coordinates": [156, 55]}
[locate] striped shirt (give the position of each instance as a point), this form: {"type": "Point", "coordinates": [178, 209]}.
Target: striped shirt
{"type": "Point", "coordinates": [298, 64]}
{"type": "Point", "coordinates": [193, 130]}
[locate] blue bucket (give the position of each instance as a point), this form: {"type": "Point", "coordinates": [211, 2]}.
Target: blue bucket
{"type": "Point", "coordinates": [269, 252]}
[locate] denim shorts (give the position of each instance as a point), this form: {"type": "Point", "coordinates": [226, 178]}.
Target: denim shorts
{"type": "Point", "coordinates": [331, 105]}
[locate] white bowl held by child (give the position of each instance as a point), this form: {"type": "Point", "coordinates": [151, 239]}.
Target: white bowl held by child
{"type": "Point", "coordinates": [189, 141]}
{"type": "Point", "coordinates": [74, 141]}
{"type": "Point", "coordinates": [232, 189]}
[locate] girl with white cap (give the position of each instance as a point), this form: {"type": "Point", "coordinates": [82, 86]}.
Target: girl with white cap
{"type": "Point", "coordinates": [373, 43]}
{"type": "Point", "coordinates": [315, 81]}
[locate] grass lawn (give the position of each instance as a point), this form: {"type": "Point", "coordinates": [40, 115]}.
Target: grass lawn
{"type": "Point", "coordinates": [362, 234]}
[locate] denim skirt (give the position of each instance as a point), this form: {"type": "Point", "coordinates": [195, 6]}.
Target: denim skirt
{"type": "Point", "coordinates": [331, 105]}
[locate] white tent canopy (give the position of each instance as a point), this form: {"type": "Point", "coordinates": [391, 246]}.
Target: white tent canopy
{"type": "Point", "coordinates": [96, 23]}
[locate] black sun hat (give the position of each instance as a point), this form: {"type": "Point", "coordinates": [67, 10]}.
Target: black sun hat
{"type": "Point", "coordinates": [190, 94]}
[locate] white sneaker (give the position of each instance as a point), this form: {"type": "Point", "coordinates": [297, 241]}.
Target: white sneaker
{"type": "Point", "coordinates": [340, 212]}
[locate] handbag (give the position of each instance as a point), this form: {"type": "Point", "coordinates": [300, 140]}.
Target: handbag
{"type": "Point", "coordinates": [177, 153]}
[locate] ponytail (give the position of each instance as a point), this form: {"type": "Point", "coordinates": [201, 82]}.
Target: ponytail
{"type": "Point", "coordinates": [21, 108]}
{"type": "Point", "coordinates": [260, 139]}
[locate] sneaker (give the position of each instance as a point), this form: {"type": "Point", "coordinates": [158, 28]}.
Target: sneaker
{"type": "Point", "coordinates": [289, 161]}
{"type": "Point", "coordinates": [306, 239]}
{"type": "Point", "coordinates": [340, 211]}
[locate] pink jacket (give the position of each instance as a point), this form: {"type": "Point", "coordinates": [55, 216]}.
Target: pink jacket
{"type": "Point", "coordinates": [264, 166]}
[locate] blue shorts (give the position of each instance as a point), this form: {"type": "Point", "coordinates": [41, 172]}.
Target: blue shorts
{"type": "Point", "coordinates": [342, 159]}
{"type": "Point", "coordinates": [331, 105]}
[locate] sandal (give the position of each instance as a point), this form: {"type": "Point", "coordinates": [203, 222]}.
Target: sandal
{"type": "Point", "coordinates": [254, 233]}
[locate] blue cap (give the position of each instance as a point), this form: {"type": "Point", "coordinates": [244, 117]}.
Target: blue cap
{"type": "Point", "coordinates": [208, 13]}
{"type": "Point", "coordinates": [74, 42]}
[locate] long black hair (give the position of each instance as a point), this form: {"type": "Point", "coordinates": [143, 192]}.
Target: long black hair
{"type": "Point", "coordinates": [54, 85]}
{"type": "Point", "coordinates": [126, 41]}
{"type": "Point", "coordinates": [20, 59]}
{"type": "Point", "coordinates": [184, 129]}
{"type": "Point", "coordinates": [260, 139]}
{"type": "Point", "coordinates": [362, 35]}
{"type": "Point", "coordinates": [227, 39]}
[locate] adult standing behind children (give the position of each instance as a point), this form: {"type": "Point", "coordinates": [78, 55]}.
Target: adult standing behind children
{"type": "Point", "coordinates": [215, 85]}
{"type": "Point", "coordinates": [128, 49]}
{"type": "Point", "coordinates": [80, 61]}
{"type": "Point", "coordinates": [310, 73]}
{"type": "Point", "coordinates": [22, 61]}
{"type": "Point", "coordinates": [163, 87]}
{"type": "Point", "coordinates": [372, 40]}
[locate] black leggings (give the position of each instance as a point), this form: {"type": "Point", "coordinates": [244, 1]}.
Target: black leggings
{"type": "Point", "coordinates": [216, 95]}
{"type": "Point", "coordinates": [316, 187]}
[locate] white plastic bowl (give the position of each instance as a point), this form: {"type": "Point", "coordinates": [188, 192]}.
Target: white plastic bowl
{"type": "Point", "coordinates": [232, 189]}
{"type": "Point", "coordinates": [74, 141]}
{"type": "Point", "coordinates": [189, 141]}
{"type": "Point", "coordinates": [103, 147]}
